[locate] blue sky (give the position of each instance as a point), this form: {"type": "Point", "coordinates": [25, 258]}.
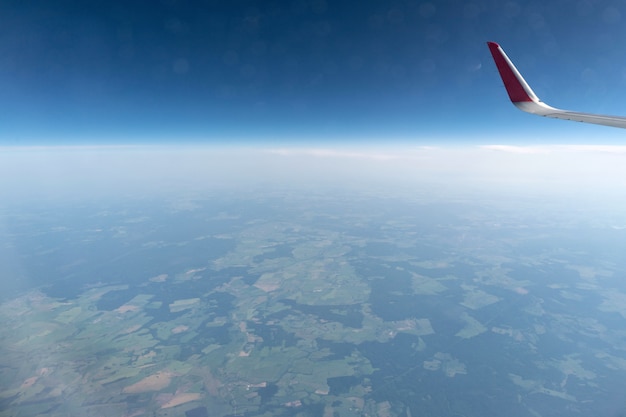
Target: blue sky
{"type": "Point", "coordinates": [303, 71]}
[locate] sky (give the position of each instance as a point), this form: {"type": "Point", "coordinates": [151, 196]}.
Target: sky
{"type": "Point", "coordinates": [303, 71]}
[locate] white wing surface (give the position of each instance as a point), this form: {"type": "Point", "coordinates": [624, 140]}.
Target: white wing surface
{"type": "Point", "coordinates": [523, 97]}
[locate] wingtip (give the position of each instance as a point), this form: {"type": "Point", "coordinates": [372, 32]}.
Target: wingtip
{"type": "Point", "coordinates": [526, 100]}
{"type": "Point", "coordinates": [493, 47]}
{"type": "Point", "coordinates": [516, 87]}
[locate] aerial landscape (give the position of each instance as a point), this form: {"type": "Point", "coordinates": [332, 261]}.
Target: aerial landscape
{"type": "Point", "coordinates": [308, 208]}
{"type": "Point", "coordinates": [314, 300]}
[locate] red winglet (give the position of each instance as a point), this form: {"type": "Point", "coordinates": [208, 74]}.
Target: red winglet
{"type": "Point", "coordinates": [526, 100]}
{"type": "Point", "coordinates": [509, 75]}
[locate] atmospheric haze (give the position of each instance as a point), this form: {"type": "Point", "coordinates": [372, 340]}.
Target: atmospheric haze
{"type": "Point", "coordinates": [86, 170]}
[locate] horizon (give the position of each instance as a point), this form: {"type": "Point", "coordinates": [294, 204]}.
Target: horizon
{"type": "Point", "coordinates": [582, 172]}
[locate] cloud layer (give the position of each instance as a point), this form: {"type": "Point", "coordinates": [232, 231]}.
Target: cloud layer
{"type": "Point", "coordinates": [118, 170]}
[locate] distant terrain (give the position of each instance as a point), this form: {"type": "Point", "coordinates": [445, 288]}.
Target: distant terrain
{"type": "Point", "coordinates": [291, 304]}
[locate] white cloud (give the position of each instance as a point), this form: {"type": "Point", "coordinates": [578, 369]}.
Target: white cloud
{"type": "Point", "coordinates": [373, 154]}
{"type": "Point", "coordinates": [516, 149]}
{"type": "Point", "coordinates": [544, 149]}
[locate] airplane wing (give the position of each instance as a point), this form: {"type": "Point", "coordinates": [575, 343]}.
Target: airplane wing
{"type": "Point", "coordinates": [523, 97]}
